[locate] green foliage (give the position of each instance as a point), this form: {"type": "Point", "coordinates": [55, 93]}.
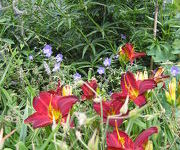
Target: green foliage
{"type": "Point", "coordinates": [85, 32]}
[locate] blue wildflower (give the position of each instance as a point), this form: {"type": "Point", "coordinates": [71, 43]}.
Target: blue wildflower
{"type": "Point", "coordinates": [107, 62]}
{"type": "Point", "coordinates": [77, 76]}
{"type": "Point", "coordinates": [30, 57]}
{"type": "Point", "coordinates": [175, 70]}
{"type": "Point", "coordinates": [56, 67]}
{"type": "Point", "coordinates": [59, 57]}
{"type": "Point", "coordinates": [101, 70]}
{"type": "Point", "coordinates": [47, 50]}
{"type": "Point", "coordinates": [123, 36]}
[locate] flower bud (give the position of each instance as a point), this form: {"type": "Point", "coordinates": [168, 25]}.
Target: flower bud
{"type": "Point", "coordinates": [171, 93]}
{"type": "Point", "coordinates": [124, 108]}
{"type": "Point", "coordinates": [145, 75]}
{"type": "Point", "coordinates": [93, 142]}
{"type": "Point", "coordinates": [67, 90]}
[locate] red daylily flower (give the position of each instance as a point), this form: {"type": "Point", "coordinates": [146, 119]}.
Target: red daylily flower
{"type": "Point", "coordinates": [136, 89]}
{"type": "Point", "coordinates": [119, 140]}
{"type": "Point", "coordinates": [49, 107]}
{"type": "Point", "coordinates": [87, 92]}
{"type": "Point", "coordinates": [127, 51]}
{"type": "Point", "coordinates": [110, 108]}
{"type": "Point", "coordinates": [158, 75]}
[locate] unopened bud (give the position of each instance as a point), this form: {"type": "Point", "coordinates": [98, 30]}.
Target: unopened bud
{"type": "Point", "coordinates": [93, 142]}
{"type": "Point", "coordinates": [67, 90]}
{"type": "Point", "coordinates": [145, 74]}
{"type": "Point", "coordinates": [124, 108]}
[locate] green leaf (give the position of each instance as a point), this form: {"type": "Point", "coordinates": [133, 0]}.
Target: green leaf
{"type": "Point", "coordinates": [8, 41]}
{"type": "Point", "coordinates": [21, 146]}
{"type": "Point", "coordinates": [84, 50]}
{"type": "Point", "coordinates": [23, 132]}
{"type": "Point", "coordinates": [7, 68]}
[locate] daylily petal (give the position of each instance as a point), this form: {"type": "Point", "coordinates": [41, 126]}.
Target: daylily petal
{"type": "Point", "coordinates": [146, 85]}
{"type": "Point", "coordinates": [142, 138]}
{"type": "Point", "coordinates": [113, 122]}
{"type": "Point", "coordinates": [119, 96]}
{"type": "Point", "coordinates": [109, 108]}
{"type": "Point", "coordinates": [41, 103]}
{"type": "Point", "coordinates": [123, 85]}
{"type": "Point", "coordinates": [65, 103]}
{"type": "Point", "coordinates": [87, 92]}
{"type": "Point", "coordinates": [130, 81]}
{"type": "Point", "coordinates": [121, 143]}
{"type": "Point", "coordinates": [137, 55]}
{"type": "Point", "coordinates": [116, 105]}
{"type": "Point", "coordinates": [106, 106]}
{"type": "Point", "coordinates": [140, 100]}
{"type": "Point", "coordinates": [38, 120]}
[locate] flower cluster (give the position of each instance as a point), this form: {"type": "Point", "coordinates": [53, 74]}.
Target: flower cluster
{"type": "Point", "coordinates": [107, 63]}
{"type": "Point", "coordinates": [134, 89]}
{"type": "Point", "coordinates": [47, 50]}
{"type": "Point", "coordinates": [54, 106]}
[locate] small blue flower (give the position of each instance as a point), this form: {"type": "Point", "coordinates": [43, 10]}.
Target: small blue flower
{"type": "Point", "coordinates": [107, 62]}
{"type": "Point", "coordinates": [175, 70]}
{"type": "Point", "coordinates": [30, 57]}
{"type": "Point", "coordinates": [77, 76]}
{"type": "Point", "coordinates": [47, 50]}
{"type": "Point", "coordinates": [101, 70]}
{"type": "Point", "coordinates": [56, 67]}
{"type": "Point", "coordinates": [59, 57]}
{"type": "Point", "coordinates": [123, 36]}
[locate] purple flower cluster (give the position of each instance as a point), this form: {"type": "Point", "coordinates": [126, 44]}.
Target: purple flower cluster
{"type": "Point", "coordinates": [76, 76]}
{"type": "Point", "coordinates": [47, 50]}
{"type": "Point", "coordinates": [107, 63]}
{"type": "Point", "coordinates": [175, 70]}
{"type": "Point", "coordinates": [59, 57]}
{"type": "Point", "coordinates": [101, 70]}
